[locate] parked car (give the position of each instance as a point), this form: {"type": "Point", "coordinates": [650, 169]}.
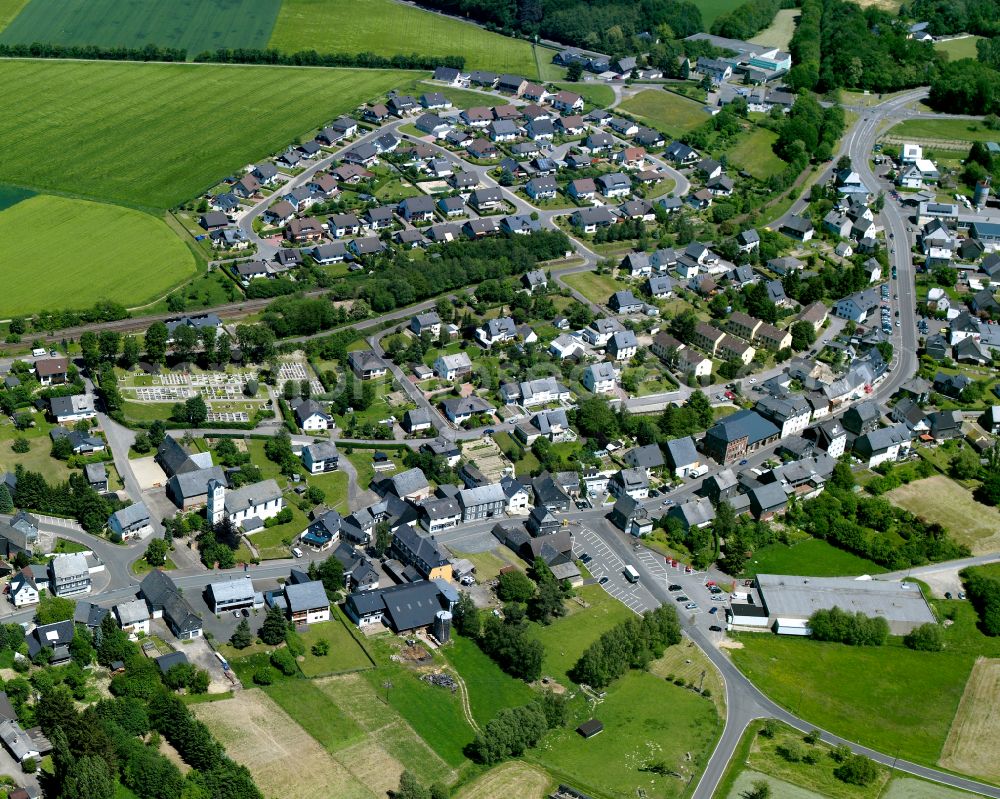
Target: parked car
{"type": "Point", "coordinates": [683, 598]}
{"type": "Point", "coordinates": [715, 628]}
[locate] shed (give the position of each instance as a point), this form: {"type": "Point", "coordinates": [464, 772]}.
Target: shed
{"type": "Point", "coordinates": [591, 728]}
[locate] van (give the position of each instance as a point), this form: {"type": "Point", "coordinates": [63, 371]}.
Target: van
{"type": "Point", "coordinates": [38, 352]}
{"type": "Point", "coordinates": [297, 552]}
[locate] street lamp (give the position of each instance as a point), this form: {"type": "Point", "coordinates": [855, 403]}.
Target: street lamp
{"type": "Point", "coordinates": [388, 687]}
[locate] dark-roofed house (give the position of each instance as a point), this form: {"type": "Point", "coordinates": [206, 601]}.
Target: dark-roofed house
{"type": "Point", "coordinates": [130, 522]}
{"type": "Point", "coordinates": [189, 490]}
{"type": "Point", "coordinates": [423, 553]}
{"type": "Point", "coordinates": [693, 513]}
{"type": "Point", "coordinates": [323, 531]}
{"type": "Point", "coordinates": [321, 457]}
{"type": "Point", "coordinates": [307, 602]}
{"type": "Point", "coordinates": [883, 444]}
{"type": "Point", "coordinates": [647, 458]}
{"type": "Point", "coordinates": [405, 607]}
{"type": "Point", "coordinates": [768, 501]}
{"type": "Point", "coordinates": [549, 494]}
{"type": "Point", "coordinates": [56, 637]}
{"type": "Point", "coordinates": [310, 415]}
{"type": "Point", "coordinates": [367, 365]}
{"type": "Point", "coordinates": [739, 434]}
{"type": "Point", "coordinates": [682, 456]}
{"type": "Point", "coordinates": [165, 601]}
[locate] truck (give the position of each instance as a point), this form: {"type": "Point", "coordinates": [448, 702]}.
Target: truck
{"type": "Point", "coordinates": [631, 574]}
{"type": "Point", "coordinates": [698, 471]}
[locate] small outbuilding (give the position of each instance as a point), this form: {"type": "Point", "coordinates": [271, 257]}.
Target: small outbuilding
{"type": "Point", "coordinates": [591, 728]}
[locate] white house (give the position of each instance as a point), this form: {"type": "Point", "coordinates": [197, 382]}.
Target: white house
{"type": "Point", "coordinates": [131, 522]}
{"type": "Point", "coordinates": [133, 617]}
{"type": "Point", "coordinates": [321, 457]}
{"type": "Point", "coordinates": [261, 500]}
{"type": "Point", "coordinates": [23, 589]}
{"type": "Point", "coordinates": [600, 378]}
{"type": "Point", "coordinates": [451, 367]}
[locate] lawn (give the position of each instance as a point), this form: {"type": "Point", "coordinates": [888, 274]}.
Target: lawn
{"type": "Point", "coordinates": [273, 543]}
{"type": "Point", "coordinates": [959, 48]}
{"type": "Point", "coordinates": [593, 93]}
{"type": "Point", "coordinates": [938, 130]}
{"type": "Point", "coordinates": [973, 745]}
{"type": "Point", "coordinates": [38, 457]}
{"type": "Point", "coordinates": [753, 153]}
{"type": "Point", "coordinates": [836, 686]}
{"type": "Point", "coordinates": [107, 252]}
{"type": "Point", "coordinates": [362, 462]}
{"type": "Point", "coordinates": [387, 28]}
{"type": "Point", "coordinates": [667, 111]}
{"type": "Point", "coordinates": [809, 558]}
{"type": "Point", "coordinates": [779, 32]}
{"type": "Point", "coordinates": [158, 139]}
{"type": "Point", "coordinates": [334, 485]}
{"type": "Point", "coordinates": [941, 500]}
{"type": "Point", "coordinates": [490, 689]}
{"type": "Point", "coordinates": [345, 652]}
{"type": "Point", "coordinates": [646, 719]}
{"type": "Point", "coordinates": [596, 288]}
{"type": "Point", "coordinates": [146, 411]}
{"type": "Point", "coordinates": [488, 564]}
{"type": "Point", "coordinates": [194, 25]}
{"type": "Point", "coordinates": [566, 638]}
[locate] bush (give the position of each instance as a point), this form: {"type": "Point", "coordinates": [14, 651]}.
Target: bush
{"type": "Point", "coordinates": [854, 629]}
{"type": "Point", "coordinates": [925, 638]}
{"type": "Point", "coordinates": [20, 445]}
{"type": "Point", "coordinates": [321, 648]}
{"type": "Point", "coordinates": [284, 661]}
{"type": "Point", "coordinates": [264, 675]}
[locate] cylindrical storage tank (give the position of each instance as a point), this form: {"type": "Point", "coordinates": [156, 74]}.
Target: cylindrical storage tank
{"type": "Point", "coordinates": [442, 626]}
{"type": "Point", "coordinates": [981, 194]}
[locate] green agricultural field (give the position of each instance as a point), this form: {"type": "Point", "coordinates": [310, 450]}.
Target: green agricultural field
{"type": "Point", "coordinates": [753, 153]}
{"type": "Point", "coordinates": [387, 28]}
{"type": "Point", "coordinates": [194, 25]}
{"type": "Point", "coordinates": [831, 685]}
{"type": "Point", "coordinates": [809, 558]}
{"type": "Point", "coordinates": [713, 9]}
{"type": "Point", "coordinates": [667, 111]}
{"type": "Point", "coordinates": [646, 719]}
{"type": "Point", "coordinates": [98, 251]}
{"type": "Point", "coordinates": [959, 48]}
{"type": "Point", "coordinates": [490, 688]}
{"type": "Point", "coordinates": [8, 10]}
{"type": "Point", "coordinates": [152, 135]}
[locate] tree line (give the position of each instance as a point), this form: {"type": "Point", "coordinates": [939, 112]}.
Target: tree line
{"type": "Point", "coordinates": [981, 17]}
{"type": "Point", "coordinates": [72, 498]}
{"type": "Point", "coordinates": [854, 629]}
{"type": "Point", "coordinates": [310, 58]}
{"type": "Point", "coordinates": [837, 44]}
{"type": "Point", "coordinates": [982, 586]}
{"type": "Point", "coordinates": [633, 644]}
{"type": "Point", "coordinates": [89, 52]}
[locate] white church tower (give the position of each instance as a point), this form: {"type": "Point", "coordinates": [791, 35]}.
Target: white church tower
{"type": "Point", "coordinates": [216, 502]}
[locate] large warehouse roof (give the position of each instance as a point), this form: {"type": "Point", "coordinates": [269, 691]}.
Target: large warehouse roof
{"type": "Point", "coordinates": [799, 597]}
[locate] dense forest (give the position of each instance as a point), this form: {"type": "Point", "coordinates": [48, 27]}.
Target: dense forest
{"type": "Point", "coordinates": [837, 44]}
{"type": "Point", "coordinates": [748, 19]}
{"type": "Point", "coordinates": [599, 24]}
{"type": "Point", "coordinates": [956, 16]}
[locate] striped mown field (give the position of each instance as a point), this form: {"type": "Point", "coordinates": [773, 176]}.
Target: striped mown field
{"type": "Point", "coordinates": [155, 135]}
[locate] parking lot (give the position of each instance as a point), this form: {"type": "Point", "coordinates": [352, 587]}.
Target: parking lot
{"type": "Point", "coordinates": [605, 564]}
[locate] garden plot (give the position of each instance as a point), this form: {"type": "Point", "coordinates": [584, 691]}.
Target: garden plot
{"type": "Point", "coordinates": [488, 457]}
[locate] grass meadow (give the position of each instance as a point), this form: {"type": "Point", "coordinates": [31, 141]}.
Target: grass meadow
{"type": "Point", "coordinates": [8, 10]}
{"type": "Point", "coordinates": [809, 558]}
{"type": "Point", "coordinates": [941, 500]}
{"type": "Point", "coordinates": [779, 32]}
{"type": "Point", "coordinates": [935, 130]}
{"type": "Point", "coordinates": [964, 47]}
{"type": "Point", "coordinates": [666, 111]}
{"type": "Point", "coordinates": [387, 28]}
{"type": "Point", "coordinates": [490, 688]}
{"type": "Point", "coordinates": [713, 9]}
{"type": "Point", "coordinates": [154, 135]}
{"type": "Point", "coordinates": [95, 251]}
{"type": "Point", "coordinates": [836, 686]}
{"type": "Point", "coordinates": [754, 153]}
{"type": "Point", "coordinates": [195, 25]}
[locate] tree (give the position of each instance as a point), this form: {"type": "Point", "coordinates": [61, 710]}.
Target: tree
{"type": "Point", "coordinates": [857, 770]}
{"type": "Point", "coordinates": [113, 643]}
{"type": "Point", "coordinates": [803, 336]}
{"type": "Point", "coordinates": [467, 621]}
{"type": "Point", "coordinates": [6, 501]}
{"type": "Point", "coordinates": [55, 608]}
{"type": "Point", "coordinates": [178, 676]}
{"type": "Point", "coordinates": [515, 586]}
{"type": "Point", "coordinates": [331, 573]}
{"type": "Point", "coordinates": [91, 778]}
{"type": "Point", "coordinates": [321, 648]}
{"type": "Point", "coordinates": [156, 342]}
{"type": "Point", "coordinates": [272, 631]}
{"type": "Point", "coordinates": [156, 552]}
{"type": "Point", "coordinates": [759, 789]}
{"type": "Point", "coordinates": [548, 602]}
{"type": "Point", "coordinates": [130, 352]}
{"type": "Point", "coordinates": [410, 788]}
{"type": "Point", "coordinates": [925, 638]}
{"type": "Point", "coordinates": [196, 411]}
{"type": "Point", "coordinates": [383, 538]}
{"type": "Point", "coordinates": [241, 637]}
{"type": "Point", "coordinates": [964, 464]}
